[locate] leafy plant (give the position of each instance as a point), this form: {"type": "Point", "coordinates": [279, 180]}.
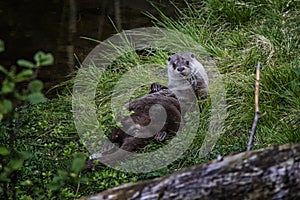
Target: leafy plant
{"type": "Point", "coordinates": [12, 95]}
{"type": "Point", "coordinates": [25, 72]}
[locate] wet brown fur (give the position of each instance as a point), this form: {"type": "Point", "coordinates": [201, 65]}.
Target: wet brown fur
{"type": "Point", "coordinates": [140, 107]}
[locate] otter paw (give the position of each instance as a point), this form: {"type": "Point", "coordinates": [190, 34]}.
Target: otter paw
{"type": "Point", "coordinates": [155, 87]}
{"type": "Point", "coordinates": [160, 136]}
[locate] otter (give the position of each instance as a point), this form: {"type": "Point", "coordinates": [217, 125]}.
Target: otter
{"type": "Point", "coordinates": [187, 79]}
{"type": "Point", "coordinates": [185, 67]}
{"type": "Point", "coordinates": [146, 123]}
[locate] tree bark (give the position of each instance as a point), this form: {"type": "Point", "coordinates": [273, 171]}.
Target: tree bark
{"type": "Point", "coordinates": [271, 173]}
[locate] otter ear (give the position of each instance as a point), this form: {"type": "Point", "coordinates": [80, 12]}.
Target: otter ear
{"type": "Point", "coordinates": [192, 55]}
{"type": "Point", "coordinates": [169, 58]}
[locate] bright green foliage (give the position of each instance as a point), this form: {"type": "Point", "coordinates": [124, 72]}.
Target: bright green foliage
{"type": "Point", "coordinates": [33, 94]}
{"type": "Point", "coordinates": [43, 59]}
{"type": "Point", "coordinates": [36, 86]}
{"type": "Point", "coordinates": [12, 95]}
{"type": "Point", "coordinates": [25, 63]}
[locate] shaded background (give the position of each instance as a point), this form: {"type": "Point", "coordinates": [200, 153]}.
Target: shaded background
{"type": "Point", "coordinates": [56, 26]}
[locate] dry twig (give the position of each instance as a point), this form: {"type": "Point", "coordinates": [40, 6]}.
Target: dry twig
{"type": "Point", "coordinates": [256, 116]}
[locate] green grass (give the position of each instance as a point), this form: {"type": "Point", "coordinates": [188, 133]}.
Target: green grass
{"type": "Point", "coordinates": [238, 35]}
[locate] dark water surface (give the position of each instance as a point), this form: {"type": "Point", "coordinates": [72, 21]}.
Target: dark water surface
{"type": "Point", "coordinates": [56, 26]}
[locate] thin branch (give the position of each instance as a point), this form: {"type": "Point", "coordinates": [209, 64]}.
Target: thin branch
{"type": "Point", "coordinates": [256, 116]}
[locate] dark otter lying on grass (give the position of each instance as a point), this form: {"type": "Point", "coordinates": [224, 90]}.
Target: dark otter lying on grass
{"type": "Point", "coordinates": [144, 127]}
{"type": "Point", "coordinates": [155, 116]}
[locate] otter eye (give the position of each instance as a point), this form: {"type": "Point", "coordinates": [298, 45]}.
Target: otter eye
{"type": "Point", "coordinates": [187, 63]}
{"type": "Point", "coordinates": [169, 58]}
{"type": "Point", "coordinates": [193, 56]}
{"type": "Point", "coordinates": [174, 66]}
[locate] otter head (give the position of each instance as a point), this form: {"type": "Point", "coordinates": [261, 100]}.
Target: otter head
{"type": "Point", "coordinates": [180, 65]}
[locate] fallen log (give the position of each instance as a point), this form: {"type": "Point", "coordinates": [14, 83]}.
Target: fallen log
{"type": "Point", "coordinates": [270, 173]}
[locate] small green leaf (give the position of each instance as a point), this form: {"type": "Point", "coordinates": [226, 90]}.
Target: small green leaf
{"type": "Point", "coordinates": [43, 59]}
{"type": "Point", "coordinates": [78, 164]}
{"type": "Point", "coordinates": [6, 106]}
{"type": "Point", "coordinates": [35, 98]}
{"type": "Point", "coordinates": [2, 46]}
{"type": "Point", "coordinates": [7, 86]}
{"type": "Point", "coordinates": [3, 151]}
{"type": "Point", "coordinates": [24, 75]}
{"type": "Point", "coordinates": [36, 86]}
{"type": "Point", "coordinates": [25, 63]}
{"type": "Point", "coordinates": [21, 97]}
{"type": "Point", "coordinates": [3, 70]}
{"type": "Point", "coordinates": [26, 182]}
{"type": "Point", "coordinates": [16, 163]}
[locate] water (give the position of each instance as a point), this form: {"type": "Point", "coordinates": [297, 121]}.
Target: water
{"type": "Point", "coordinates": [56, 26]}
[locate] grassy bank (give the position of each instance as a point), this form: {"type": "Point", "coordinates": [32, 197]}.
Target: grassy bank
{"type": "Point", "coordinates": [238, 35]}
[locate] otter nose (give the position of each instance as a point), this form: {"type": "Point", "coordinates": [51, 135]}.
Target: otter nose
{"type": "Point", "coordinates": [180, 69]}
